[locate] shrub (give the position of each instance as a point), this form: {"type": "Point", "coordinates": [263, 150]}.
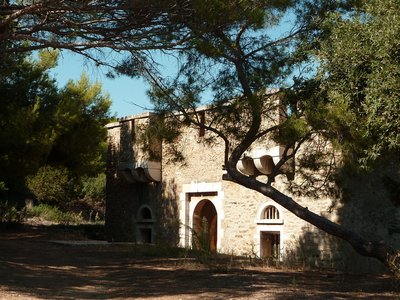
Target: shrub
{"type": "Point", "coordinates": [9, 213]}
{"type": "Point", "coordinates": [52, 185]}
{"type": "Point", "coordinates": [94, 188]}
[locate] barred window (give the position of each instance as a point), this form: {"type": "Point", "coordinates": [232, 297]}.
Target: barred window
{"type": "Point", "coordinates": [270, 213]}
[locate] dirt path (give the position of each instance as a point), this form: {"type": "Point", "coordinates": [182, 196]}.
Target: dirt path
{"type": "Point", "coordinates": [31, 267]}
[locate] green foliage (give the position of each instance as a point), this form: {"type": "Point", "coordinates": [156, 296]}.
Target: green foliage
{"type": "Point", "coordinates": [79, 119]}
{"type": "Point", "coordinates": [292, 130]}
{"type": "Point", "coordinates": [52, 185]}
{"type": "Point", "coordinates": [94, 188]}
{"type": "Point", "coordinates": [9, 213]}
{"type": "Point", "coordinates": [360, 68]}
{"type": "Point", "coordinates": [47, 59]}
{"type": "Point", "coordinates": [27, 96]}
{"type": "Point", "coordinates": [41, 124]}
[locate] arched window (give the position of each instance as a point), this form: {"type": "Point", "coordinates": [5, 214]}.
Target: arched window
{"type": "Point", "coordinates": [145, 213]}
{"type": "Point", "coordinates": [270, 213]}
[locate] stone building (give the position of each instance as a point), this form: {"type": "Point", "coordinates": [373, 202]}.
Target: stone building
{"type": "Point", "coordinates": [156, 200]}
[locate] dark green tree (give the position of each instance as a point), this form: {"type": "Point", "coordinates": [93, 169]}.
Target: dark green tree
{"type": "Point", "coordinates": [44, 125]}
{"type": "Point", "coordinates": [79, 119]}
{"type": "Point", "coordinates": [27, 99]}
{"type": "Point", "coordinates": [360, 72]}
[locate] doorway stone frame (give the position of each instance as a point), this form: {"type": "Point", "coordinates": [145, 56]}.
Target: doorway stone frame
{"type": "Point", "coordinates": [190, 196]}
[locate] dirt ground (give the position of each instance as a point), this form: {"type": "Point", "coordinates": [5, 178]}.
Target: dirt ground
{"type": "Point", "coordinates": [33, 266]}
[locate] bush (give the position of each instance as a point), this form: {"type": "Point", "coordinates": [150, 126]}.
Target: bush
{"type": "Point", "coordinates": [52, 185]}
{"type": "Point", "coordinates": [9, 213]}
{"type": "Point", "coordinates": [94, 188]}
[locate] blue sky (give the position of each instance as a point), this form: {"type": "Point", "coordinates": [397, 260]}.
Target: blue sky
{"type": "Point", "coordinates": [124, 92]}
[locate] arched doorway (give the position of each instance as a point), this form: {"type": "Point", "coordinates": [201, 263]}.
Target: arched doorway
{"type": "Point", "coordinates": [205, 226]}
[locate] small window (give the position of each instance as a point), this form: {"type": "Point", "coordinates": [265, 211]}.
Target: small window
{"type": "Point", "coordinates": [145, 213]}
{"type": "Point", "coordinates": [270, 213]}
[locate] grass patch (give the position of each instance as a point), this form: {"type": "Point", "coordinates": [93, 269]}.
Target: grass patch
{"type": "Point", "coordinates": [53, 214]}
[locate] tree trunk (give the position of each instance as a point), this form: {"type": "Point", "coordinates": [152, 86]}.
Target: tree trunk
{"type": "Point", "coordinates": [377, 249]}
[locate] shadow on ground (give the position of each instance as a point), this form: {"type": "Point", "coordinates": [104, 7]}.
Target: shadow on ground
{"type": "Point", "coordinates": [33, 267]}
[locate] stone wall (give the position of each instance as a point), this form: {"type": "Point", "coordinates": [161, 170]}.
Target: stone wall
{"type": "Point", "coordinates": [186, 185]}
{"type": "Point", "coordinates": [125, 199]}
